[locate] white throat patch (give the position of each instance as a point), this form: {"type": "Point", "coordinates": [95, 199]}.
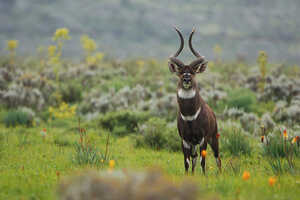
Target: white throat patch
{"type": "Point", "coordinates": [186, 94]}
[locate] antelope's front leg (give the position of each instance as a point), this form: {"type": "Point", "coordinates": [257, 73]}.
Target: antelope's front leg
{"type": "Point", "coordinates": [186, 149]}
{"type": "Point", "coordinates": [194, 156]}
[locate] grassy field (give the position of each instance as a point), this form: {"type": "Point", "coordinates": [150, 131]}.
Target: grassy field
{"type": "Point", "coordinates": [32, 165]}
{"type": "Point", "coordinates": [43, 142]}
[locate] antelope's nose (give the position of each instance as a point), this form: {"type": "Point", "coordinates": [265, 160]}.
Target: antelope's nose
{"type": "Point", "coordinates": [186, 77]}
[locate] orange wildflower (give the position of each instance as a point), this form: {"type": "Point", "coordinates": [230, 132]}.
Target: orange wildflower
{"type": "Point", "coordinates": [203, 153]}
{"type": "Point", "coordinates": [112, 164]}
{"type": "Point", "coordinates": [272, 181]}
{"type": "Point", "coordinates": [44, 132]}
{"type": "Point", "coordinates": [285, 135]}
{"type": "Point", "coordinates": [246, 175]}
{"type": "Point", "coordinates": [262, 138]}
{"type": "Point", "coordinates": [295, 139]}
{"type": "Point", "coordinates": [218, 135]}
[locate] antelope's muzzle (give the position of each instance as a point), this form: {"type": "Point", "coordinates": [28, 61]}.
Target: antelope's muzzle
{"type": "Point", "coordinates": [186, 80]}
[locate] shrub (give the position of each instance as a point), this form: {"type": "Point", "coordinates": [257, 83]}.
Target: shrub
{"type": "Point", "coordinates": [250, 123]}
{"type": "Point", "coordinates": [242, 98]}
{"type": "Point", "coordinates": [157, 135]}
{"type": "Point", "coordinates": [122, 122]}
{"type": "Point", "coordinates": [71, 93]}
{"type": "Point", "coordinates": [235, 142]}
{"type": "Point", "coordinates": [154, 133]}
{"type": "Point", "coordinates": [17, 117]}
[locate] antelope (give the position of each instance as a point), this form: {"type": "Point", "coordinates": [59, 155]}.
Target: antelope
{"type": "Point", "coordinates": [196, 122]}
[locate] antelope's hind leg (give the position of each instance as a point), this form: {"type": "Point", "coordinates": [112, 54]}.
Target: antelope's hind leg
{"type": "Point", "coordinates": [203, 146]}
{"type": "Point", "coordinates": [215, 147]}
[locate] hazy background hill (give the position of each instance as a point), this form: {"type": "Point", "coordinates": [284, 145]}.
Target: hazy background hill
{"type": "Point", "coordinates": [137, 28]}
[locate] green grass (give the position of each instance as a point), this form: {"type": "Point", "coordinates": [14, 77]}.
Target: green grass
{"type": "Point", "coordinates": [29, 170]}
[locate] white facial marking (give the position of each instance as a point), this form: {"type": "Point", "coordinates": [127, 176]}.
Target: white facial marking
{"type": "Point", "coordinates": [185, 144]}
{"type": "Point", "coordinates": [191, 117]}
{"type": "Point", "coordinates": [186, 94]}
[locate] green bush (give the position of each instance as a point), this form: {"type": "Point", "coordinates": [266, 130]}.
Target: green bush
{"type": "Point", "coordinates": [17, 117]}
{"type": "Point", "coordinates": [122, 122]}
{"type": "Point", "coordinates": [86, 153]}
{"type": "Point", "coordinates": [277, 147]}
{"type": "Point", "coordinates": [157, 135]}
{"type": "Point", "coordinates": [71, 93]}
{"type": "Point", "coordinates": [235, 142]}
{"type": "Point", "coordinates": [243, 99]}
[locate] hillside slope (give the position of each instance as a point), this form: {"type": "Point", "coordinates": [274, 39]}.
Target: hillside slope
{"type": "Point", "coordinates": [143, 28]}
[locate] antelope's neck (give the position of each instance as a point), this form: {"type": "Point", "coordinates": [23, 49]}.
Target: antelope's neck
{"type": "Point", "coordinates": [189, 101]}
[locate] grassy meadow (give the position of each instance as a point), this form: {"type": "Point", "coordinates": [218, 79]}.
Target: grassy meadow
{"type": "Point", "coordinates": [61, 118]}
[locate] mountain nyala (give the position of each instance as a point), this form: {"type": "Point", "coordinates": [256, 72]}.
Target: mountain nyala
{"type": "Point", "coordinates": [196, 122]}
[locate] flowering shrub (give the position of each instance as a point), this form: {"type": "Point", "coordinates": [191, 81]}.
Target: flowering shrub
{"type": "Point", "coordinates": [55, 51]}
{"type": "Point", "coordinates": [63, 111]}
{"type": "Point", "coordinates": [91, 56]}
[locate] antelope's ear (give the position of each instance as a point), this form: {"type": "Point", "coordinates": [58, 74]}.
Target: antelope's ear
{"type": "Point", "coordinates": [199, 65]}
{"type": "Point", "coordinates": [175, 64]}
{"type": "Point", "coordinates": [172, 67]}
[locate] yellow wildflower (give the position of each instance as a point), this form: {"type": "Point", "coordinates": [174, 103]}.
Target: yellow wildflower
{"type": "Point", "coordinates": [140, 63]}
{"type": "Point", "coordinates": [112, 164]}
{"type": "Point", "coordinates": [50, 109]}
{"type": "Point", "coordinates": [61, 34]}
{"type": "Point", "coordinates": [12, 45]}
{"type": "Point", "coordinates": [88, 44]}
{"type": "Point", "coordinates": [91, 60]}
{"type": "Point", "coordinates": [99, 56]}
{"type": "Point", "coordinates": [52, 50]}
